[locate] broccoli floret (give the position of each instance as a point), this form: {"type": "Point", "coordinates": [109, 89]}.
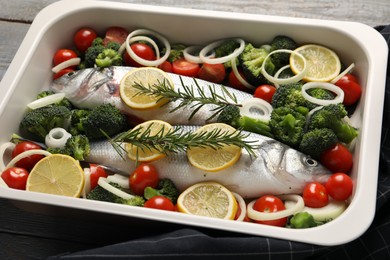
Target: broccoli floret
{"type": "Point", "coordinates": [165, 188]}
{"type": "Point", "coordinates": [107, 58]}
{"type": "Point", "coordinates": [77, 119]}
{"type": "Point", "coordinates": [103, 120]}
{"type": "Point", "coordinates": [176, 52]}
{"type": "Point", "coordinates": [79, 147]}
{"type": "Point", "coordinates": [332, 117]}
{"type": "Point", "coordinates": [64, 102]}
{"type": "Point", "coordinates": [40, 121]}
{"type": "Point", "coordinates": [251, 61]}
{"type": "Point", "coordinates": [321, 93]}
{"type": "Point", "coordinates": [281, 59]}
{"type": "Point", "coordinates": [57, 150]}
{"type": "Point", "coordinates": [225, 49]}
{"type": "Point", "coordinates": [92, 53]}
{"type": "Point", "coordinates": [231, 115]}
{"type": "Point", "coordinates": [137, 201]}
{"type": "Point", "coordinates": [113, 46]}
{"type": "Point", "coordinates": [303, 220]}
{"type": "Point", "coordinates": [290, 95]}
{"type": "Point", "coordinates": [287, 125]}
{"type": "Point", "coordinates": [316, 141]}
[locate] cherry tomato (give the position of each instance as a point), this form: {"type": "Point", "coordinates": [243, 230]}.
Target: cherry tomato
{"type": "Point", "coordinates": [339, 186]}
{"type": "Point", "coordinates": [63, 55]}
{"type": "Point", "coordinates": [212, 72]}
{"type": "Point", "coordinates": [28, 162]}
{"type": "Point", "coordinates": [270, 203]}
{"type": "Point", "coordinates": [143, 176]}
{"type": "Point", "coordinates": [337, 159]}
{"type": "Point", "coordinates": [15, 177]}
{"type": "Point", "coordinates": [160, 202]}
{"type": "Point", "coordinates": [115, 34]}
{"type": "Point", "coordinates": [166, 66]}
{"type": "Point", "coordinates": [62, 73]}
{"type": "Point", "coordinates": [315, 195]}
{"type": "Point", "coordinates": [265, 92]}
{"type": "Point", "coordinates": [185, 68]}
{"type": "Point", "coordinates": [83, 38]}
{"type": "Point", "coordinates": [352, 89]}
{"type": "Point", "coordinates": [143, 51]}
{"type": "Point", "coordinates": [235, 83]}
{"type": "Point", "coordinates": [95, 173]}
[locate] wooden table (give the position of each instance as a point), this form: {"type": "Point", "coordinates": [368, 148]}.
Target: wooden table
{"type": "Point", "coordinates": [29, 232]}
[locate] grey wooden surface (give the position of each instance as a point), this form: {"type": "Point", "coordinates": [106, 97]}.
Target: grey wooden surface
{"type": "Point", "coordinates": [26, 234]}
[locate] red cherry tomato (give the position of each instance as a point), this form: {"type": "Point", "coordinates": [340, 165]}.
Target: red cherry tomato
{"type": "Point", "coordinates": [265, 92]}
{"type": "Point", "coordinates": [143, 51]}
{"type": "Point", "coordinates": [83, 38]}
{"type": "Point", "coordinates": [270, 203]}
{"type": "Point", "coordinates": [235, 83]}
{"type": "Point", "coordinates": [115, 34]}
{"type": "Point", "coordinates": [15, 177]}
{"type": "Point", "coordinates": [185, 68]}
{"type": "Point", "coordinates": [166, 66]}
{"type": "Point", "coordinates": [337, 159]}
{"type": "Point", "coordinates": [28, 162]}
{"type": "Point", "coordinates": [143, 176]}
{"type": "Point", "coordinates": [315, 195]}
{"type": "Point", "coordinates": [339, 186]}
{"type": "Point", "coordinates": [352, 89]}
{"type": "Point", "coordinates": [64, 55]}
{"type": "Point", "coordinates": [215, 73]}
{"type": "Point", "coordinates": [95, 173]}
{"type": "Point", "coordinates": [160, 202]}
{"type": "Point", "coordinates": [62, 73]}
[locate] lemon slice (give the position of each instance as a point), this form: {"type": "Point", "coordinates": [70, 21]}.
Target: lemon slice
{"type": "Point", "coordinates": [148, 77]}
{"type": "Point", "coordinates": [57, 174]}
{"type": "Point", "coordinates": [209, 199]}
{"type": "Point", "coordinates": [156, 127]}
{"type": "Point", "coordinates": [323, 64]}
{"type": "Point", "coordinates": [212, 160]}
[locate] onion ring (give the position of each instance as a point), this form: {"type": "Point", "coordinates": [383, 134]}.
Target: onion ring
{"type": "Point", "coordinates": [192, 58]}
{"type": "Point", "coordinates": [342, 74]}
{"type": "Point", "coordinates": [239, 77]}
{"type": "Point", "coordinates": [57, 138]}
{"type": "Point", "coordinates": [26, 154]}
{"type": "Point", "coordinates": [45, 101]}
{"type": "Point", "coordinates": [66, 64]}
{"type": "Point", "coordinates": [105, 185]}
{"type": "Point", "coordinates": [324, 85]}
{"type": "Point", "coordinates": [242, 206]}
{"type": "Point", "coordinates": [251, 105]}
{"type": "Point", "coordinates": [213, 45]}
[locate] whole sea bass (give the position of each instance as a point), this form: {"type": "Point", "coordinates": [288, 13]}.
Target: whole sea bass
{"type": "Point", "coordinates": [276, 169]}
{"type": "Point", "coordinates": [88, 88]}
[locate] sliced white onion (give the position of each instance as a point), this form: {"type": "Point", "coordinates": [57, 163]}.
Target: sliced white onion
{"type": "Point", "coordinates": [87, 184]}
{"type": "Point", "coordinates": [66, 64]}
{"type": "Point", "coordinates": [256, 108]}
{"type": "Point", "coordinates": [311, 112]}
{"type": "Point", "coordinates": [120, 180]}
{"type": "Point", "coordinates": [324, 85]}
{"type": "Point", "coordinates": [45, 101]}
{"type": "Point", "coordinates": [342, 74]}
{"type": "Point", "coordinates": [279, 72]}
{"type": "Point", "coordinates": [282, 81]}
{"type": "Point", "coordinates": [105, 185]}
{"type": "Point", "coordinates": [146, 39]}
{"type": "Point", "coordinates": [239, 77]}
{"type": "Point", "coordinates": [57, 138]}
{"type": "Point", "coordinates": [3, 149]}
{"type": "Point", "coordinates": [26, 154]}
{"type": "Point", "coordinates": [328, 212]}
{"type": "Point", "coordinates": [210, 47]}
{"type": "Point", "coordinates": [187, 54]}
{"type": "Point", "coordinates": [153, 63]}
{"type": "Point", "coordinates": [257, 215]}
{"type": "Point", "coordinates": [242, 206]}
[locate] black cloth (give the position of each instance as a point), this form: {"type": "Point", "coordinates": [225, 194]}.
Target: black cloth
{"type": "Point", "coordinates": [197, 243]}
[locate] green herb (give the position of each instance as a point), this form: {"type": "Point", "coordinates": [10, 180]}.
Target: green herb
{"type": "Point", "coordinates": [194, 97]}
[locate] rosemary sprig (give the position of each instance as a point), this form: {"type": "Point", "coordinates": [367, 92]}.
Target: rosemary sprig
{"type": "Point", "coordinates": [177, 140]}
{"type": "Point", "coordinates": [194, 97]}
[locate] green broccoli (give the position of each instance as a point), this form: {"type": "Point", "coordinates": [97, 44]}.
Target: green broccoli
{"type": "Point", "coordinates": [64, 102]}
{"type": "Point", "coordinates": [57, 150]}
{"type": "Point", "coordinates": [113, 46]}
{"type": "Point", "coordinates": [165, 188]}
{"type": "Point", "coordinates": [79, 146]}
{"type": "Point", "coordinates": [176, 52]}
{"type": "Point", "coordinates": [231, 115]}
{"type": "Point", "coordinates": [303, 220]}
{"type": "Point", "coordinates": [77, 119]}
{"type": "Point", "coordinates": [92, 53]}
{"type": "Point", "coordinates": [287, 125]}
{"type": "Point", "coordinates": [281, 59]}
{"type": "Point", "coordinates": [290, 95]}
{"type": "Point", "coordinates": [251, 61]}
{"type": "Point", "coordinates": [332, 117]}
{"type": "Point", "coordinates": [321, 93]}
{"type": "Point", "coordinates": [225, 49]}
{"type": "Point", "coordinates": [40, 121]}
{"type": "Point", "coordinates": [316, 141]}
{"type": "Point", "coordinates": [108, 57]}
{"type": "Point", "coordinates": [101, 194]}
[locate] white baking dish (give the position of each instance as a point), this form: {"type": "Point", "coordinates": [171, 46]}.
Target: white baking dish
{"type": "Point", "coordinates": [30, 71]}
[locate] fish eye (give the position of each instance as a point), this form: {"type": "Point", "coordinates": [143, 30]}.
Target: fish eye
{"type": "Point", "coordinates": [310, 162]}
